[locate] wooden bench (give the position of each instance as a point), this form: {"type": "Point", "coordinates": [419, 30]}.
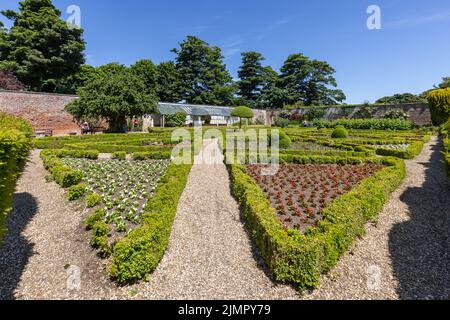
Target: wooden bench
{"type": "Point", "coordinates": [41, 133]}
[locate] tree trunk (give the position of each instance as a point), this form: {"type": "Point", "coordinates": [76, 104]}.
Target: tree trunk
{"type": "Point", "coordinates": [118, 124]}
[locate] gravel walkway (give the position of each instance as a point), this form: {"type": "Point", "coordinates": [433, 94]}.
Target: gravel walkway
{"type": "Point", "coordinates": [406, 255]}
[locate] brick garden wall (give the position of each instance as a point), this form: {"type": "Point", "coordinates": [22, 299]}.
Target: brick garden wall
{"type": "Point", "coordinates": [44, 111]}
{"type": "Point", "coordinates": [419, 113]}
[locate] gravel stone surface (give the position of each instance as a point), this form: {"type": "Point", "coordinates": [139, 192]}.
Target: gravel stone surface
{"type": "Point", "coordinates": [210, 255]}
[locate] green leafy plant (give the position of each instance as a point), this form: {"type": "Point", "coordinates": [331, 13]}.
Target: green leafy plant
{"type": "Point", "coordinates": [93, 200]}
{"type": "Point", "coordinates": [242, 113]}
{"type": "Point", "coordinates": [339, 133]}
{"type": "Point", "coordinates": [439, 101]}
{"type": "Point", "coordinates": [76, 192]}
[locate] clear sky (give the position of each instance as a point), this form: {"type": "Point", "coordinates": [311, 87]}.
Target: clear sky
{"type": "Point", "coordinates": [410, 53]}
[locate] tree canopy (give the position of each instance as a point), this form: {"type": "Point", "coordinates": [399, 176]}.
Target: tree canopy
{"type": "Point", "coordinates": [252, 77]}
{"type": "Point", "coordinates": [168, 82]}
{"type": "Point", "coordinates": [242, 113]}
{"type": "Point", "coordinates": [41, 48]}
{"type": "Point", "coordinates": [204, 78]}
{"type": "Point", "coordinates": [310, 81]}
{"type": "Point", "coordinates": [113, 93]}
{"type": "Point", "coordinates": [402, 98]}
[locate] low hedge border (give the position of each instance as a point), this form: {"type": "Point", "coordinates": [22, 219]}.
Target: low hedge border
{"type": "Point", "coordinates": [137, 255]}
{"type": "Point", "coordinates": [302, 258]}
{"type": "Point", "coordinates": [15, 144]}
{"type": "Point", "coordinates": [413, 151]}
{"type": "Point", "coordinates": [63, 175]}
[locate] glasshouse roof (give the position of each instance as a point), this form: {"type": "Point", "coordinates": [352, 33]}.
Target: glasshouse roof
{"type": "Point", "coordinates": [194, 110]}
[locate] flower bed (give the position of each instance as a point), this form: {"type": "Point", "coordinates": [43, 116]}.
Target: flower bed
{"type": "Point", "coordinates": [299, 193]}
{"type": "Point", "coordinates": [301, 258]}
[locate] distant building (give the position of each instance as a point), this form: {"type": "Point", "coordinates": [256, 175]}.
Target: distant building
{"type": "Point", "coordinates": [198, 114]}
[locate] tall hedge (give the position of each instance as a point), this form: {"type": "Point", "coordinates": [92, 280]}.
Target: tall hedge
{"type": "Point", "coordinates": [439, 101]}
{"type": "Point", "coordinates": [15, 143]}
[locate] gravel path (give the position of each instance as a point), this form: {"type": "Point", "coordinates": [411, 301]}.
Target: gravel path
{"type": "Point", "coordinates": [406, 255]}
{"type": "Point", "coordinates": [210, 256]}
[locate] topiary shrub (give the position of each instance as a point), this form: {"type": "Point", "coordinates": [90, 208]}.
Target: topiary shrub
{"type": "Point", "coordinates": [439, 101]}
{"type": "Point", "coordinates": [340, 133]}
{"type": "Point", "coordinates": [242, 113]}
{"type": "Point", "coordinates": [76, 192]}
{"type": "Point", "coordinates": [119, 155]}
{"type": "Point", "coordinates": [92, 200]}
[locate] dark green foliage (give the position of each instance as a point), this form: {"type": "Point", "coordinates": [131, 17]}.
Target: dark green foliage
{"type": "Point", "coordinates": [114, 93]}
{"type": "Point", "coordinates": [137, 255]}
{"type": "Point", "coordinates": [176, 120]}
{"type": "Point", "coordinates": [309, 81]}
{"type": "Point", "coordinates": [15, 143]}
{"type": "Point", "coordinates": [151, 155]}
{"type": "Point", "coordinates": [76, 192]}
{"type": "Point", "coordinates": [339, 133]}
{"type": "Point", "coordinates": [401, 98]}
{"type": "Point", "coordinates": [61, 174]}
{"type": "Point", "coordinates": [99, 240]}
{"type": "Point", "coordinates": [168, 82]}
{"type": "Point", "coordinates": [204, 78]}
{"type": "Point", "coordinates": [40, 47]}
{"type": "Point", "coordinates": [252, 77]}
{"type": "Point", "coordinates": [147, 71]}
{"type": "Point", "coordinates": [301, 258]}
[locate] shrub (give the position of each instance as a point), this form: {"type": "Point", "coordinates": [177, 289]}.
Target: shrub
{"type": "Point", "coordinates": [93, 200]}
{"type": "Point", "coordinates": [15, 143]}
{"type": "Point", "coordinates": [176, 120]}
{"type": "Point", "coordinates": [314, 114]}
{"type": "Point", "coordinates": [396, 114]}
{"type": "Point", "coordinates": [76, 192]}
{"type": "Point", "coordinates": [137, 255]}
{"type": "Point", "coordinates": [366, 124]}
{"type": "Point", "coordinates": [285, 141]}
{"type": "Point", "coordinates": [439, 101]}
{"type": "Point", "coordinates": [339, 133]}
{"type": "Point", "coordinates": [282, 123]}
{"type": "Point", "coordinates": [94, 217]}
{"type": "Point", "coordinates": [150, 155]}
{"type": "Point", "coordinates": [242, 113]}
{"type": "Point", "coordinates": [119, 155]}
{"type": "Point", "coordinates": [301, 258]}
{"type": "Point", "coordinates": [99, 240]}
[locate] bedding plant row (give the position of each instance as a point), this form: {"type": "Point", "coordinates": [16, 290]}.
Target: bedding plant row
{"type": "Point", "coordinates": [130, 204]}
{"type": "Point", "coordinates": [15, 143]}
{"type": "Point", "coordinates": [305, 217]}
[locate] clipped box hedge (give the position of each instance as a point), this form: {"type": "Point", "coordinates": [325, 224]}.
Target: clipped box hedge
{"type": "Point", "coordinates": [63, 175]}
{"type": "Point", "coordinates": [15, 143]}
{"type": "Point", "coordinates": [302, 258]}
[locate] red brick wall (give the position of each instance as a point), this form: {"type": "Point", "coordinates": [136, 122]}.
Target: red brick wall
{"type": "Point", "coordinates": [44, 111]}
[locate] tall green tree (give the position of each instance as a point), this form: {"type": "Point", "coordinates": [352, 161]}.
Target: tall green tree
{"type": "Point", "coordinates": [310, 81]}
{"type": "Point", "coordinates": [72, 83]}
{"type": "Point", "coordinates": [252, 77]}
{"type": "Point", "coordinates": [168, 82]}
{"type": "Point", "coordinates": [148, 72]}
{"type": "Point", "coordinates": [272, 94]}
{"type": "Point", "coordinates": [445, 83]}
{"type": "Point", "coordinates": [40, 47]}
{"type": "Point", "coordinates": [113, 94]}
{"type": "Point", "coordinates": [203, 75]}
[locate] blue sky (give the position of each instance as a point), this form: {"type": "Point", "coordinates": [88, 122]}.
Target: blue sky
{"type": "Point", "coordinates": [409, 54]}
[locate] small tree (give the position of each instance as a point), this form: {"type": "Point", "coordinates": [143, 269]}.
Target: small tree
{"type": "Point", "coordinates": [242, 113]}
{"type": "Point", "coordinates": [113, 93]}
{"type": "Point", "coordinates": [439, 101]}
{"type": "Point", "coordinates": [176, 120]}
